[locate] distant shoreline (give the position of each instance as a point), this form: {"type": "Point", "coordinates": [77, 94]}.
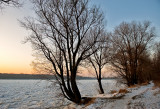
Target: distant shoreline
{"type": "Point", "coordinates": [26, 76]}
{"type": "Point", "coordinates": [39, 76]}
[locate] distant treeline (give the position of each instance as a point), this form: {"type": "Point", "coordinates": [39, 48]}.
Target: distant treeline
{"type": "Point", "coordinates": [26, 76]}
{"type": "Point", "coordinates": [37, 76]}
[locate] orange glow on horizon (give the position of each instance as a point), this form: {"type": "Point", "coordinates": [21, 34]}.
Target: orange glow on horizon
{"type": "Point", "coordinates": [15, 70]}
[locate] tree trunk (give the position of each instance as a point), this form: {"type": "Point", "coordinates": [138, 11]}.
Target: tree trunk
{"type": "Point", "coordinates": [100, 86]}
{"type": "Point", "coordinates": [99, 81]}
{"type": "Point", "coordinates": [66, 92]}
{"type": "Point", "coordinates": [77, 98]}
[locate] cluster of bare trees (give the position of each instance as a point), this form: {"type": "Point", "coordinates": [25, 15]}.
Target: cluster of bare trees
{"type": "Point", "coordinates": [130, 42]}
{"type": "Point", "coordinates": [68, 33]}
{"type": "Point", "coordinates": [156, 62]}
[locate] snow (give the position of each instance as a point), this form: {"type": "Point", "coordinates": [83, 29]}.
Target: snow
{"type": "Point", "coordinates": [25, 94]}
{"type": "Point", "coordinates": [42, 94]}
{"type": "Point", "coordinates": [141, 97]}
{"type": "Point", "coordinates": [90, 87]}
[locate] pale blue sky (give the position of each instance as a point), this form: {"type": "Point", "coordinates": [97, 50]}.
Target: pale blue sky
{"type": "Point", "coordinates": [117, 11]}
{"type": "Point", "coordinates": [16, 57]}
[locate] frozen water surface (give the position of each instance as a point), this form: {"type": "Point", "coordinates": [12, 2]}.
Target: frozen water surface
{"type": "Point", "coordinates": [41, 93]}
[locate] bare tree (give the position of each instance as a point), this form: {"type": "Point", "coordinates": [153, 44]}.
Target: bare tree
{"type": "Point", "coordinates": [100, 58]}
{"type": "Point", "coordinates": [65, 32]}
{"type": "Point", "coordinates": [156, 62]}
{"type": "Point", "coordinates": [15, 3]}
{"type": "Point", "coordinates": [144, 67]}
{"type": "Point", "coordinates": [130, 41]}
{"type": "Point", "coordinates": [41, 65]}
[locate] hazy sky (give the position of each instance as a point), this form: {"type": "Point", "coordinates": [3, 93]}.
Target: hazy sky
{"type": "Point", "coordinates": [16, 57]}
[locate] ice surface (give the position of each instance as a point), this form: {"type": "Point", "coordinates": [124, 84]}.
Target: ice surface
{"type": "Point", "coordinates": [42, 94]}
{"type": "Point", "coordinates": [25, 94]}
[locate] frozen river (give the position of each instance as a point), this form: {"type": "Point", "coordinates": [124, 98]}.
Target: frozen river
{"type": "Point", "coordinates": [40, 94]}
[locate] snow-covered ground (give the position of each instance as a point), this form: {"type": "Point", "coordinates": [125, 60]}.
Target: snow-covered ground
{"type": "Point", "coordinates": [140, 97]}
{"type": "Point", "coordinates": [41, 94]}
{"type": "Point", "coordinates": [24, 94]}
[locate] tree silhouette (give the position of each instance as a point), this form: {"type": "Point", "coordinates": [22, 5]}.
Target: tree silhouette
{"type": "Point", "coordinates": [100, 58]}
{"type": "Point", "coordinates": [130, 41]}
{"type": "Point", "coordinates": [65, 32]}
{"type": "Point", "coordinates": [156, 62]}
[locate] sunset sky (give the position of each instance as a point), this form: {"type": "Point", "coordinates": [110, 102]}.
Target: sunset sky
{"type": "Point", "coordinates": [16, 57]}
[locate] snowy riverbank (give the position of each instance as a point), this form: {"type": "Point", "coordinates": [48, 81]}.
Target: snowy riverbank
{"type": "Point", "coordinates": [41, 94]}
{"type": "Point", "coordinates": [140, 97]}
